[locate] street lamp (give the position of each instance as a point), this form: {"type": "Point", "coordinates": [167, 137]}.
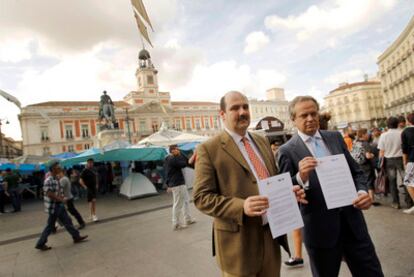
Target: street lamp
{"type": "Point", "coordinates": [1, 136]}
{"type": "Point", "coordinates": [127, 119]}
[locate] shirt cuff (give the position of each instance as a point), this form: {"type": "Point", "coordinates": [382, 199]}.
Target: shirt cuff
{"type": "Point", "coordinates": [305, 185]}
{"type": "Point", "coordinates": [362, 191]}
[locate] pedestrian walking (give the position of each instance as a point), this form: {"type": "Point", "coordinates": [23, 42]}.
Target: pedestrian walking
{"type": "Point", "coordinates": [54, 205]}
{"type": "Point", "coordinates": [88, 180]}
{"type": "Point", "coordinates": [69, 199]}
{"type": "Point", "coordinates": [11, 189]}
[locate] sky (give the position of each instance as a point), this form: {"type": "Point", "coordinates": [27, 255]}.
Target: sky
{"type": "Point", "coordinates": [55, 50]}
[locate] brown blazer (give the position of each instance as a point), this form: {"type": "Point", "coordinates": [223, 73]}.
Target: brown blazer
{"type": "Point", "coordinates": [223, 179]}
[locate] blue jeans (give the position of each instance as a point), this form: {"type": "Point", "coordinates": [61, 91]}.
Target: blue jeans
{"type": "Point", "coordinates": [15, 198]}
{"type": "Point", "coordinates": [61, 214]}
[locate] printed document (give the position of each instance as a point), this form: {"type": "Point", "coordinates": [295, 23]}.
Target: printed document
{"type": "Point", "coordinates": [283, 213]}
{"type": "Point", "coordinates": [336, 181]}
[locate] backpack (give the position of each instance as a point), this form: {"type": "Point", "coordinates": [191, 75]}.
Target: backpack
{"type": "Point", "coordinates": [358, 153]}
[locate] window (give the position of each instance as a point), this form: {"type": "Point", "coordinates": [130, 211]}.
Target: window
{"type": "Point", "coordinates": [178, 125]}
{"type": "Point", "coordinates": [150, 80]}
{"type": "Point", "coordinates": [87, 146]}
{"type": "Point", "coordinates": [85, 130]}
{"type": "Point", "coordinates": [216, 122]}
{"type": "Point", "coordinates": [46, 151]}
{"type": "Point", "coordinates": [142, 125]}
{"type": "Point", "coordinates": [188, 124]}
{"type": "Point", "coordinates": [44, 136]}
{"type": "Point", "coordinates": [206, 123]}
{"type": "Point", "coordinates": [69, 131]}
{"type": "Point", "coordinates": [198, 124]}
{"type": "Point", "coordinates": [71, 148]}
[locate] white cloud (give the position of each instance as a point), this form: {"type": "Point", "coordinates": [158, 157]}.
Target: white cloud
{"type": "Point", "coordinates": [15, 50]}
{"type": "Point", "coordinates": [210, 82]}
{"type": "Point", "coordinates": [353, 75]}
{"type": "Point", "coordinates": [255, 41]}
{"type": "Point", "coordinates": [337, 18]}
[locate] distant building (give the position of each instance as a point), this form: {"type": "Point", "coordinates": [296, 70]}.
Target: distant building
{"type": "Point", "coordinates": [396, 71]}
{"type": "Point", "coordinates": [275, 105]}
{"type": "Point", "coordinates": [9, 148]}
{"type": "Point", "coordinates": [56, 127]}
{"type": "Point", "coordinates": [357, 104]}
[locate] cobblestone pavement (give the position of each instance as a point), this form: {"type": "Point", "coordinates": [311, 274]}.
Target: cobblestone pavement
{"type": "Point", "coordinates": [134, 238]}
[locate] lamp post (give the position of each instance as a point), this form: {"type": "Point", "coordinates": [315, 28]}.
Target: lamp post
{"type": "Point", "coordinates": [127, 119]}
{"type": "Point", "coordinates": [1, 137]}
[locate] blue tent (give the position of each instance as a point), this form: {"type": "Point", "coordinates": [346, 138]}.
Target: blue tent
{"type": "Point", "coordinates": [188, 146]}
{"type": "Point", "coordinates": [7, 165]}
{"type": "Point", "coordinates": [31, 167]}
{"type": "Point", "coordinates": [92, 153]}
{"type": "Point", "coordinates": [122, 154]}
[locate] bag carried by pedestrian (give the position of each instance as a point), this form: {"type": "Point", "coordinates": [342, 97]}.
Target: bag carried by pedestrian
{"type": "Point", "coordinates": [358, 153]}
{"type": "Point", "coordinates": [381, 183]}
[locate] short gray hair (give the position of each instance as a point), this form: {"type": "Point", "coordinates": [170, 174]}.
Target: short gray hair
{"type": "Point", "coordinates": [299, 99]}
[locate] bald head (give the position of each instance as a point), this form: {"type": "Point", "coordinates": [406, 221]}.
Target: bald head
{"type": "Point", "coordinates": [223, 100]}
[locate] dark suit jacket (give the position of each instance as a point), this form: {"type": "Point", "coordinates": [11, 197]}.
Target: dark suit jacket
{"type": "Point", "coordinates": [223, 179]}
{"type": "Point", "coordinates": [322, 226]}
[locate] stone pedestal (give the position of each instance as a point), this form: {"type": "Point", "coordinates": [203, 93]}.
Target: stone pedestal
{"type": "Point", "coordinates": [107, 136]}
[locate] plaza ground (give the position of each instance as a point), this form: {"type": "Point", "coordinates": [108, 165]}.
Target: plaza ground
{"type": "Point", "coordinates": [134, 238]}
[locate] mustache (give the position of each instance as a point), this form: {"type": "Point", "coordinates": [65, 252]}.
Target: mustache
{"type": "Point", "coordinates": [243, 117]}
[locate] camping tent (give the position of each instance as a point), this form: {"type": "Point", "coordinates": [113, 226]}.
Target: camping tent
{"type": "Point", "coordinates": [165, 137]}
{"type": "Point", "coordinates": [137, 185]}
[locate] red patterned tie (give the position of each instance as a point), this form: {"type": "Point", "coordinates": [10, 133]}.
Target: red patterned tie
{"type": "Point", "coordinates": [260, 168]}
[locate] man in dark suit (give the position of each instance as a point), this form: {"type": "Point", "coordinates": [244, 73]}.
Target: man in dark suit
{"type": "Point", "coordinates": [228, 168]}
{"type": "Point", "coordinates": [329, 235]}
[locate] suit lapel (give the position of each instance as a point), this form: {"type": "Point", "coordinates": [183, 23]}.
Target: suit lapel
{"type": "Point", "coordinates": [301, 149]}
{"type": "Point", "coordinates": [232, 149]}
{"type": "Point", "coordinates": [331, 145]}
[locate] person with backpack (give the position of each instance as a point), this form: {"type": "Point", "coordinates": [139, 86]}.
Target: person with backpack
{"type": "Point", "coordinates": [363, 154]}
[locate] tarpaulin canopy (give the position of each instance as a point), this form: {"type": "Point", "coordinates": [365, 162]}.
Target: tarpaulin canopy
{"type": "Point", "coordinates": [92, 153]}
{"type": "Point", "coordinates": [64, 155]}
{"type": "Point", "coordinates": [122, 154]}
{"type": "Point", "coordinates": [22, 167]}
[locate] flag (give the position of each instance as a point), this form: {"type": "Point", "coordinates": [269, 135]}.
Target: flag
{"type": "Point", "coordinates": [139, 6]}
{"type": "Point", "coordinates": [142, 29]}
{"type": "Point", "coordinates": [11, 98]}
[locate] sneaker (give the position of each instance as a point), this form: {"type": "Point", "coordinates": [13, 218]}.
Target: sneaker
{"type": "Point", "coordinates": [294, 262]}
{"type": "Point", "coordinates": [177, 227]}
{"type": "Point", "coordinates": [80, 239]}
{"type": "Point", "coordinates": [396, 206]}
{"type": "Point", "coordinates": [409, 211]}
{"type": "Point", "coordinates": [95, 218]}
{"type": "Point", "coordinates": [191, 221]}
{"type": "Point", "coordinates": [43, 247]}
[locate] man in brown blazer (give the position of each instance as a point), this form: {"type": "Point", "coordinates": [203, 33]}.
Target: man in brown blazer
{"type": "Point", "coordinates": [227, 170]}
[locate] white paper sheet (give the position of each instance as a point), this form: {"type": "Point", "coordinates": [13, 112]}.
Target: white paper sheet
{"type": "Point", "coordinates": [283, 213]}
{"type": "Point", "coordinates": [336, 181]}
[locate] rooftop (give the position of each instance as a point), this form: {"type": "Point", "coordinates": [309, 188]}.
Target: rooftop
{"type": "Point", "coordinates": [347, 86]}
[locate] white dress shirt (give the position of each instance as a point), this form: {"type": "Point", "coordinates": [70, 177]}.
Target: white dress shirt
{"type": "Point", "coordinates": [238, 140]}
{"type": "Point", "coordinates": [308, 142]}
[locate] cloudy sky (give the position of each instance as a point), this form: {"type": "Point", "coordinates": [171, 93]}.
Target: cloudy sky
{"type": "Point", "coordinates": [72, 50]}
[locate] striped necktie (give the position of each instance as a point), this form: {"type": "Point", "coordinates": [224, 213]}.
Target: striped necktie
{"type": "Point", "coordinates": [259, 167]}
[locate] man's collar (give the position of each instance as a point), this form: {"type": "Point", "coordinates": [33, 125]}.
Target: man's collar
{"type": "Point", "coordinates": [306, 137]}
{"type": "Point", "coordinates": [236, 137]}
